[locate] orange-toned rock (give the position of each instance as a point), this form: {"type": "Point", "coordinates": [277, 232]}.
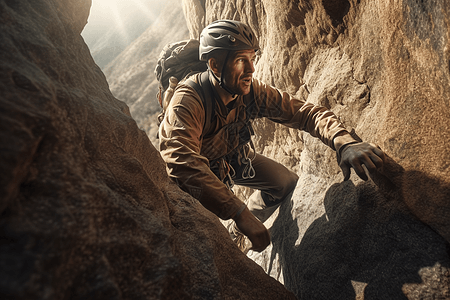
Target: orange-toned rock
{"type": "Point", "coordinates": [383, 68]}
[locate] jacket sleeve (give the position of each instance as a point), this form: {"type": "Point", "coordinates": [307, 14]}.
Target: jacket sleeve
{"type": "Point", "coordinates": [297, 113]}
{"type": "Point", "coordinates": [180, 144]}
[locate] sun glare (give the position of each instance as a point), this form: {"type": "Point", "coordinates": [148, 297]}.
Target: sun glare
{"type": "Point", "coordinates": [107, 6]}
{"type": "Point", "coordinates": [123, 17]}
{"type": "Point", "coordinates": [117, 10]}
{"type": "Point", "coordinates": [144, 8]}
{"type": "Point", "coordinates": [104, 5]}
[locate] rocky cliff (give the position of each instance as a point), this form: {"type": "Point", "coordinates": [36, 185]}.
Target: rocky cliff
{"type": "Point", "coordinates": [87, 212]}
{"type": "Point", "coordinates": [86, 208]}
{"type": "Point", "coordinates": [383, 68]}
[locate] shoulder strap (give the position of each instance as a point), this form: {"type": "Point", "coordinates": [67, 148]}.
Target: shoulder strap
{"type": "Point", "coordinates": [204, 90]}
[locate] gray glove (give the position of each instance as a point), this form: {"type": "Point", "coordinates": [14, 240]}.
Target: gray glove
{"type": "Point", "coordinates": [355, 155]}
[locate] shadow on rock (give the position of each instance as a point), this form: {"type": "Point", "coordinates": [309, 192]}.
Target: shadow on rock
{"type": "Point", "coordinates": [369, 244]}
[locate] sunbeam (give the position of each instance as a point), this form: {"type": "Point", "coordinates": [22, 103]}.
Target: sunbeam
{"type": "Point", "coordinates": [119, 21]}
{"type": "Point", "coordinates": [144, 7]}
{"type": "Point", "coordinates": [115, 24]}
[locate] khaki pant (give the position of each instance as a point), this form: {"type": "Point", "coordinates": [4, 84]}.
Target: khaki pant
{"type": "Point", "coordinates": [274, 182]}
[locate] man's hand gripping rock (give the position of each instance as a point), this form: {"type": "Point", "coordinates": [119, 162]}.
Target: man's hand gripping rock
{"type": "Point", "coordinates": [256, 232]}
{"type": "Point", "coordinates": [358, 154]}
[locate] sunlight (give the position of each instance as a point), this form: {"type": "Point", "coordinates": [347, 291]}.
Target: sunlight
{"type": "Point", "coordinates": [104, 7]}
{"type": "Point", "coordinates": [119, 10]}
{"type": "Point", "coordinates": [115, 12]}
{"type": "Point", "coordinates": [118, 20]}
{"type": "Point", "coordinates": [101, 7]}
{"type": "Point", "coordinates": [114, 24]}
{"type": "Point", "coordinates": [144, 8]}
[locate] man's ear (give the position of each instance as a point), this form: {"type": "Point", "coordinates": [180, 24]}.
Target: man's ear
{"type": "Point", "coordinates": [214, 66]}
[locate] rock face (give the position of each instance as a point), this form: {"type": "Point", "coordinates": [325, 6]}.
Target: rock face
{"type": "Point", "coordinates": [383, 68]}
{"type": "Point", "coordinates": [86, 210]}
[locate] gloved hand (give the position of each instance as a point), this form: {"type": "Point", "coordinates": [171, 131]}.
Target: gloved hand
{"type": "Point", "coordinates": [253, 229]}
{"type": "Point", "coordinates": [358, 154]}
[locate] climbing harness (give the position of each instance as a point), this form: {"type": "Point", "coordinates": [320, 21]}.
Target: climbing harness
{"type": "Point", "coordinates": [229, 182]}
{"type": "Point", "coordinates": [248, 172]}
{"type": "Point", "coordinates": [225, 167]}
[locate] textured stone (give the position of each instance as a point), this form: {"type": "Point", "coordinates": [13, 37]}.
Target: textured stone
{"type": "Point", "coordinates": [87, 210]}
{"type": "Point", "coordinates": [383, 68]}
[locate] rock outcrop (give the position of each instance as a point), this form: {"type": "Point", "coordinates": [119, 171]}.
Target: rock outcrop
{"type": "Point", "coordinates": [383, 68]}
{"type": "Point", "coordinates": [86, 208]}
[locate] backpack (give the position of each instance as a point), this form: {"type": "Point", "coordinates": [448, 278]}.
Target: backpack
{"type": "Point", "coordinates": [176, 62]}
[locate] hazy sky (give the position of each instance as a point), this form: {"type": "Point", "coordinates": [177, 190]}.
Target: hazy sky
{"type": "Point", "coordinates": [107, 14]}
{"type": "Point", "coordinates": [105, 11]}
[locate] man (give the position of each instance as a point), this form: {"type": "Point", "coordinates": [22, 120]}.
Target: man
{"type": "Point", "coordinates": [207, 156]}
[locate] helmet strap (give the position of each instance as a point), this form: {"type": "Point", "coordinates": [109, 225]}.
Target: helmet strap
{"type": "Point", "coordinates": [220, 80]}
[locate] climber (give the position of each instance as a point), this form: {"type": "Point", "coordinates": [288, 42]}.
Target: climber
{"type": "Point", "coordinates": [207, 156]}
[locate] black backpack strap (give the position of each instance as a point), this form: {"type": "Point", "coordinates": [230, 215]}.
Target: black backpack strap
{"type": "Point", "coordinates": [205, 90]}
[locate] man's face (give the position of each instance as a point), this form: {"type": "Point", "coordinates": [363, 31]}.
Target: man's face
{"type": "Point", "coordinates": [239, 71]}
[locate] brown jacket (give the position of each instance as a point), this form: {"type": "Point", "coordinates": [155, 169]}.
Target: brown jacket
{"type": "Point", "coordinates": [187, 151]}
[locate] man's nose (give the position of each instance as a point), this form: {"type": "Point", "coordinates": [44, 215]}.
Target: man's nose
{"type": "Point", "coordinates": [250, 67]}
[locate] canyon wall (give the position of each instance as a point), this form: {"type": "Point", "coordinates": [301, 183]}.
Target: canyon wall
{"type": "Point", "coordinates": [384, 68]}
{"type": "Point", "coordinates": [86, 208]}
